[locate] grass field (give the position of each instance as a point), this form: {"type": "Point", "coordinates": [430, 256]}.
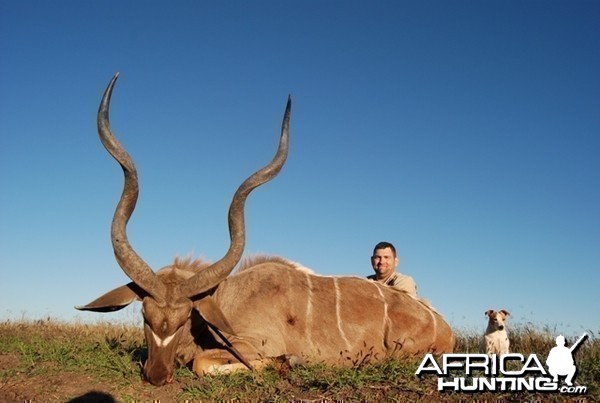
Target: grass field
{"type": "Point", "coordinates": [52, 361]}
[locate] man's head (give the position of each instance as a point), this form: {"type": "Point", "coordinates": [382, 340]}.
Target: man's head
{"type": "Point", "coordinates": [384, 260]}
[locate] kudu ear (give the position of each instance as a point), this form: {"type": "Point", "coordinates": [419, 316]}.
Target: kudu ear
{"type": "Point", "coordinates": [211, 313]}
{"type": "Point", "coordinates": [116, 299]}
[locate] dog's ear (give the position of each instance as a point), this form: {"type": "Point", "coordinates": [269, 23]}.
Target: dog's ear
{"type": "Point", "coordinates": [505, 312]}
{"type": "Point", "coordinates": [489, 312]}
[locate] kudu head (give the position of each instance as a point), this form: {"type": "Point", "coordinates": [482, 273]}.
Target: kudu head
{"type": "Point", "coordinates": [168, 296]}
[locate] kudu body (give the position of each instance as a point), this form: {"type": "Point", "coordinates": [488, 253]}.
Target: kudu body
{"type": "Point", "coordinates": [197, 313]}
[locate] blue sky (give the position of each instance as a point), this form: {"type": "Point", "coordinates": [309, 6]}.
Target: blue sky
{"type": "Point", "coordinates": [467, 133]}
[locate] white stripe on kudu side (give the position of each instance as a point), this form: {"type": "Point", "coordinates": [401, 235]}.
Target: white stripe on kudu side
{"type": "Point", "coordinates": [309, 310]}
{"type": "Point", "coordinates": [309, 304]}
{"type": "Point", "coordinates": [434, 321]}
{"type": "Point", "coordinates": [385, 307]}
{"type": "Point", "coordinates": [386, 323]}
{"type": "Point", "coordinates": [385, 318]}
{"type": "Point", "coordinates": [338, 299]}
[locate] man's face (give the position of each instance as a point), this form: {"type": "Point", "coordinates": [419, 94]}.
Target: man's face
{"type": "Point", "coordinates": [384, 262]}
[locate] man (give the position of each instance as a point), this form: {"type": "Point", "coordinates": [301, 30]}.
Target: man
{"type": "Point", "coordinates": [560, 361]}
{"type": "Point", "coordinates": [384, 262]}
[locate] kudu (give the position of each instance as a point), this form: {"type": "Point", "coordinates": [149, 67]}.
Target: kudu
{"type": "Point", "coordinates": [197, 313]}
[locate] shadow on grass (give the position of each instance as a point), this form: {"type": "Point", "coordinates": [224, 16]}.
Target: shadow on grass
{"type": "Point", "coordinates": [93, 397]}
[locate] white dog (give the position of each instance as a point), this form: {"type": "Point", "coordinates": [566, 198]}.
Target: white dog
{"type": "Point", "coordinates": [495, 337]}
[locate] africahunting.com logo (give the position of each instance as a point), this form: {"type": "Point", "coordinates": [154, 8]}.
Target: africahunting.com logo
{"type": "Point", "coordinates": [507, 372]}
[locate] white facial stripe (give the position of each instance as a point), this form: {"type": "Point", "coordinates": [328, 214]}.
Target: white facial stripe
{"type": "Point", "coordinates": [160, 342]}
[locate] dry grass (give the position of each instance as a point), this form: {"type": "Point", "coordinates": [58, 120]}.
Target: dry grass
{"type": "Point", "coordinates": [52, 361]}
